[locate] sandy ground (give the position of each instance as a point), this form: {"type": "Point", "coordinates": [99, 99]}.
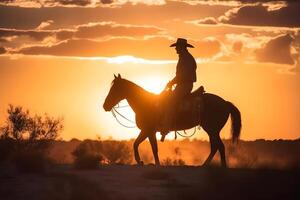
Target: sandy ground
{"type": "Point", "coordinates": [149, 182]}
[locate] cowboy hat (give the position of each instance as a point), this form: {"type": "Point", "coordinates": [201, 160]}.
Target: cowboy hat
{"type": "Point", "coordinates": [181, 42]}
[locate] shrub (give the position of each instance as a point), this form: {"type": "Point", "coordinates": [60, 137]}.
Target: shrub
{"type": "Point", "coordinates": [27, 138]}
{"type": "Point", "coordinates": [88, 155]}
{"type": "Point", "coordinates": [175, 162]}
{"type": "Point", "coordinates": [117, 152]}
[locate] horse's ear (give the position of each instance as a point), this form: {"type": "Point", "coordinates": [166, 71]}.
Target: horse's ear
{"type": "Point", "coordinates": [115, 76]}
{"type": "Point", "coordinates": [119, 76]}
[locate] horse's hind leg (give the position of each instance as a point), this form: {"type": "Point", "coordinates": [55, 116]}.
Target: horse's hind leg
{"type": "Point", "coordinates": [142, 136]}
{"type": "Point", "coordinates": [222, 152]}
{"type": "Point", "coordinates": [213, 148]}
{"type": "Point", "coordinates": [153, 142]}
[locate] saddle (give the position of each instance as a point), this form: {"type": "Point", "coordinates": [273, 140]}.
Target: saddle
{"type": "Point", "coordinates": [191, 102]}
{"type": "Point", "coordinates": [191, 107]}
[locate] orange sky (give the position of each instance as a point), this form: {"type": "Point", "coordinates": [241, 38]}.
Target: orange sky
{"type": "Point", "coordinates": [63, 64]}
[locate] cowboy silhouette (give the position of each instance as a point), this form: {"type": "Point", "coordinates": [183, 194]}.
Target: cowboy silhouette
{"type": "Point", "coordinates": [184, 79]}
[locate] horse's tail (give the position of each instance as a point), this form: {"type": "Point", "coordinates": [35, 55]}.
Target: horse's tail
{"type": "Point", "coordinates": [236, 122]}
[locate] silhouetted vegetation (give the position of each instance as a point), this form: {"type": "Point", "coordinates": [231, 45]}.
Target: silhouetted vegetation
{"type": "Point", "coordinates": [90, 154]}
{"type": "Point", "coordinates": [117, 152]}
{"type": "Point", "coordinates": [276, 154]}
{"type": "Point", "coordinates": [26, 139]}
{"type": "Point", "coordinates": [176, 162]}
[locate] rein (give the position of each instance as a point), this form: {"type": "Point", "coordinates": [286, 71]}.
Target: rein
{"type": "Point", "coordinates": [115, 112]}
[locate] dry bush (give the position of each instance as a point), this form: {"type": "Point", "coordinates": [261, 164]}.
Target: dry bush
{"type": "Point", "coordinates": [88, 155]}
{"type": "Point", "coordinates": [117, 152]}
{"type": "Point", "coordinates": [27, 138]}
{"type": "Point", "coordinates": [173, 162]}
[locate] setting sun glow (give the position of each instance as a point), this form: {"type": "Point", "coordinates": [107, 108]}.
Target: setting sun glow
{"type": "Point", "coordinates": [153, 84]}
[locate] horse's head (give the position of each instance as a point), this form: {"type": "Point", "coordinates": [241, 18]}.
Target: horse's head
{"type": "Point", "coordinates": [116, 93]}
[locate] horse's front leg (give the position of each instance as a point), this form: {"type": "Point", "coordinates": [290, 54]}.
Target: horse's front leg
{"type": "Point", "coordinates": [142, 136]}
{"type": "Point", "coordinates": [153, 142]}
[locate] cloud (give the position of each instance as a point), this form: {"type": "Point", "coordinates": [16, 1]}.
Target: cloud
{"type": "Point", "coordinates": [250, 41]}
{"type": "Point", "coordinates": [150, 48]}
{"type": "Point", "coordinates": [260, 15]}
{"type": "Point", "coordinates": [77, 3]}
{"type": "Point", "coordinates": [208, 47]}
{"type": "Point", "coordinates": [277, 50]}
{"type": "Point", "coordinates": [140, 14]}
{"type": "Point", "coordinates": [2, 50]}
{"type": "Point", "coordinates": [45, 24]}
{"type": "Point", "coordinates": [296, 69]}
{"type": "Point", "coordinates": [98, 31]}
{"type": "Point", "coordinates": [117, 3]}
{"type": "Point", "coordinates": [74, 2]}
{"type": "Point", "coordinates": [34, 34]}
{"type": "Point", "coordinates": [206, 20]}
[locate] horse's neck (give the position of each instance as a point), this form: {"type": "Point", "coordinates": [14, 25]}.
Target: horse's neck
{"type": "Point", "coordinates": [138, 98]}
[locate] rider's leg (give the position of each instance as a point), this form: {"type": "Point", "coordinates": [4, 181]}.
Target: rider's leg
{"type": "Point", "coordinates": [178, 94]}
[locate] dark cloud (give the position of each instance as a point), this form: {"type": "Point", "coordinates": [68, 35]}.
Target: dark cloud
{"type": "Point", "coordinates": [36, 35]}
{"type": "Point", "coordinates": [259, 15]}
{"type": "Point", "coordinates": [50, 3]}
{"type": "Point", "coordinates": [139, 14]}
{"type": "Point", "coordinates": [106, 1]}
{"type": "Point", "coordinates": [277, 50]}
{"type": "Point", "coordinates": [114, 47]}
{"type": "Point", "coordinates": [2, 50]}
{"type": "Point", "coordinates": [152, 48]}
{"type": "Point", "coordinates": [86, 31]}
{"type": "Point", "coordinates": [97, 30]}
{"type": "Point", "coordinates": [74, 2]}
{"type": "Point", "coordinates": [3, 40]}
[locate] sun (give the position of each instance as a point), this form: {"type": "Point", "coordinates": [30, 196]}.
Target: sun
{"type": "Point", "coordinates": [155, 84]}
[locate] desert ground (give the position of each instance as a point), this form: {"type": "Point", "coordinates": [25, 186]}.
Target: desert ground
{"type": "Point", "coordinates": [149, 182]}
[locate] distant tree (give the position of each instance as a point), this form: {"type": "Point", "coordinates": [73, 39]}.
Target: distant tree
{"type": "Point", "coordinates": [28, 137]}
{"type": "Point", "coordinates": [19, 125]}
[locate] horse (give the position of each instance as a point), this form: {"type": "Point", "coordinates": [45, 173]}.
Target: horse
{"type": "Point", "coordinates": [214, 115]}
